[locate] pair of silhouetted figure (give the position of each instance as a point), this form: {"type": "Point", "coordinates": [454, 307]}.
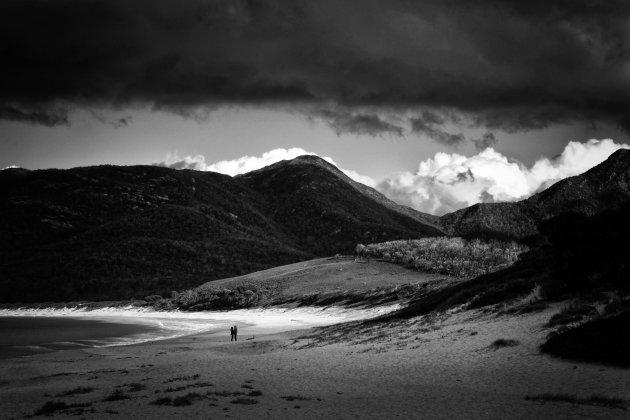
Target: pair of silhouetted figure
{"type": "Point", "coordinates": [233, 333]}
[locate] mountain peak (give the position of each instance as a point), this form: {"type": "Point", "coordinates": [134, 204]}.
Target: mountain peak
{"type": "Point", "coordinates": [311, 160]}
{"type": "Point", "coordinates": [312, 163]}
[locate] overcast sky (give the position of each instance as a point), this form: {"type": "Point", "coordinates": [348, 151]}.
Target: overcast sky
{"type": "Point", "coordinates": [377, 86]}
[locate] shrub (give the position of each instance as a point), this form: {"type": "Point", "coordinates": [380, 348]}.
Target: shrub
{"type": "Point", "coordinates": [117, 395]}
{"type": "Point", "coordinates": [162, 401]}
{"type": "Point", "coordinates": [502, 342]}
{"type": "Point", "coordinates": [294, 398]}
{"type": "Point", "coordinates": [76, 391]}
{"type": "Point", "coordinates": [135, 387]}
{"type": "Point", "coordinates": [604, 340]}
{"type": "Point", "coordinates": [153, 298]}
{"type": "Point", "coordinates": [243, 400]}
{"type": "Point", "coordinates": [450, 256]}
{"type": "Point", "coordinates": [182, 401]}
{"type": "Point", "coordinates": [51, 406]}
{"type": "Point", "coordinates": [572, 313]}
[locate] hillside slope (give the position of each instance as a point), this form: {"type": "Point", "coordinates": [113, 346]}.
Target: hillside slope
{"type": "Point", "coordinates": [326, 211]}
{"type": "Point", "coordinates": [604, 187]}
{"type": "Point", "coordinates": [113, 232]}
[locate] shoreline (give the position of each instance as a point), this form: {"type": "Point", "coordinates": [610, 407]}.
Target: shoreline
{"type": "Point", "coordinates": [410, 369]}
{"type": "Point", "coordinates": [168, 325]}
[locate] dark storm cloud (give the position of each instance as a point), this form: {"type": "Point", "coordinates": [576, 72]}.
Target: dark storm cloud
{"type": "Point", "coordinates": [117, 122]}
{"type": "Point", "coordinates": [430, 123]}
{"type": "Point", "coordinates": [515, 65]}
{"type": "Point", "coordinates": [345, 121]}
{"type": "Point", "coordinates": [34, 115]}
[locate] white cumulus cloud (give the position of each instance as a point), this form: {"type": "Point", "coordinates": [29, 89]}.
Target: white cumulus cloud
{"type": "Point", "coordinates": [246, 164]}
{"type": "Point", "coordinates": [448, 182]}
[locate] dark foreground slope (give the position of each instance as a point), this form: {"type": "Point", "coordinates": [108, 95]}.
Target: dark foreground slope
{"type": "Point", "coordinates": [604, 187]}
{"type": "Point", "coordinates": [112, 232]}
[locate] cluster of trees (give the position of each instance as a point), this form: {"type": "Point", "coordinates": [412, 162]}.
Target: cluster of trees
{"type": "Point", "coordinates": [208, 297]}
{"type": "Point", "coordinates": [443, 255]}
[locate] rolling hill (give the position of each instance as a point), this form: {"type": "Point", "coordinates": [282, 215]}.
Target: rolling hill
{"type": "Point", "coordinates": [111, 232]}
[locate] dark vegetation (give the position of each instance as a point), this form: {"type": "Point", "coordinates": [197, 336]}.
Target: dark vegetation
{"type": "Point", "coordinates": [187, 386]}
{"type": "Point", "coordinates": [295, 398]}
{"type": "Point", "coordinates": [253, 294]}
{"type": "Point", "coordinates": [179, 401]}
{"type": "Point", "coordinates": [187, 399]}
{"type": "Point", "coordinates": [52, 407]}
{"type": "Point", "coordinates": [596, 400]}
{"type": "Point", "coordinates": [225, 393]}
{"type": "Point", "coordinates": [503, 342]}
{"type": "Point", "coordinates": [604, 340]}
{"type": "Point", "coordinates": [134, 387]}
{"type": "Point", "coordinates": [191, 397]}
{"type": "Point", "coordinates": [76, 391]}
{"type": "Point", "coordinates": [117, 395]}
{"type": "Point", "coordinates": [162, 401]}
{"type": "Point", "coordinates": [577, 256]}
{"type": "Point", "coordinates": [572, 313]}
{"type": "Point", "coordinates": [112, 232]}
{"type": "Point", "coordinates": [450, 256]}
{"type": "Point", "coordinates": [181, 378]}
{"type": "Point", "coordinates": [244, 400]}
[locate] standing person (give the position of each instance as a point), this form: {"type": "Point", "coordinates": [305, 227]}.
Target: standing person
{"type": "Point", "coordinates": [232, 334]}
{"type": "Point", "coordinates": [235, 333]}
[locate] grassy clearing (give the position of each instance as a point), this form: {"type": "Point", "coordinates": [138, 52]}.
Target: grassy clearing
{"type": "Point", "coordinates": [450, 256]}
{"type": "Point", "coordinates": [339, 280]}
{"type": "Point", "coordinates": [596, 400]}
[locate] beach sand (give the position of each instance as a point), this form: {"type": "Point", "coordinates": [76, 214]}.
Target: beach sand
{"type": "Point", "coordinates": [438, 368]}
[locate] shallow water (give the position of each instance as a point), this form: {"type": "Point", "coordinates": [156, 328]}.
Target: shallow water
{"type": "Point", "coordinates": [20, 336]}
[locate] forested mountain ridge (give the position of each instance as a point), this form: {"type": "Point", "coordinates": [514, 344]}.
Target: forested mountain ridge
{"type": "Point", "coordinates": [111, 232]}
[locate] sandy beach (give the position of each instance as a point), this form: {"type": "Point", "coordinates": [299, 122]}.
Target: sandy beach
{"type": "Point", "coordinates": [426, 368]}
